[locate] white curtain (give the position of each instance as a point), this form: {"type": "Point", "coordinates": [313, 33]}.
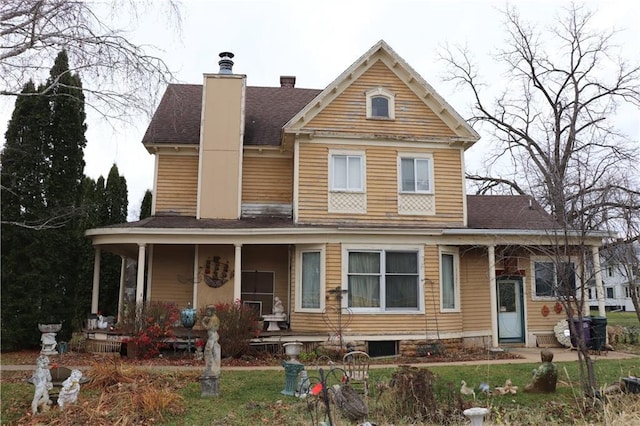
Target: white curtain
{"type": "Point", "coordinates": [364, 279]}
{"type": "Point", "coordinates": [311, 280]}
{"type": "Point", "coordinates": [448, 283]}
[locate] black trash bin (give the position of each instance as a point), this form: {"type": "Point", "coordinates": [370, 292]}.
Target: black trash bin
{"type": "Point", "coordinates": [598, 333]}
{"type": "Point", "coordinates": [586, 325]}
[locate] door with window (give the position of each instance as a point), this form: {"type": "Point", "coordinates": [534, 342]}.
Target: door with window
{"type": "Point", "coordinates": [257, 290]}
{"type": "Point", "coordinates": [510, 311]}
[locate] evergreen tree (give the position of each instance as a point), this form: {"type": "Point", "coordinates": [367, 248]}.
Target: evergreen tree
{"type": "Point", "coordinates": [116, 205]}
{"type": "Point", "coordinates": [42, 168]}
{"type": "Point", "coordinates": [145, 206]}
{"type": "Point", "coordinates": [23, 213]}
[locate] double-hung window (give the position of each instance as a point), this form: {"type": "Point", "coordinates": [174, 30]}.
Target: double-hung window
{"type": "Point", "coordinates": [347, 173]}
{"type": "Point", "coordinates": [415, 175]}
{"type": "Point", "coordinates": [554, 279]}
{"type": "Point", "coordinates": [383, 280]}
{"type": "Point", "coordinates": [310, 272]}
{"type": "Point", "coordinates": [449, 281]}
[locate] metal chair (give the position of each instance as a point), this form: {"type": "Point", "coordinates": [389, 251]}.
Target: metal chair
{"type": "Point", "coordinates": [356, 368]}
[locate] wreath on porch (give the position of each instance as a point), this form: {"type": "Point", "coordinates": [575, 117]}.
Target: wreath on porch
{"type": "Point", "coordinates": [216, 272]}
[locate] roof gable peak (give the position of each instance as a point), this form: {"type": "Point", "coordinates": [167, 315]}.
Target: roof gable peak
{"type": "Point", "coordinates": [381, 51]}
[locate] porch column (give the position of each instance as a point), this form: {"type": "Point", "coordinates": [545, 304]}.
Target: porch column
{"type": "Point", "coordinates": [598, 277]}
{"type": "Point", "coordinates": [123, 271]}
{"type": "Point", "coordinates": [237, 267]}
{"type": "Point", "coordinates": [140, 278]}
{"type": "Point", "coordinates": [494, 297]}
{"type": "Point", "coordinates": [96, 281]}
{"type": "Point", "coordinates": [196, 256]}
{"type": "Point", "coordinates": [149, 273]}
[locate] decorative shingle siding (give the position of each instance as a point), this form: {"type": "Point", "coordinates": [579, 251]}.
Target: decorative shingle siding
{"type": "Point", "coordinates": [177, 184]}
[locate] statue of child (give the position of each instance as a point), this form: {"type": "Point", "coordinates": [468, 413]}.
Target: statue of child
{"type": "Point", "coordinates": [42, 381]}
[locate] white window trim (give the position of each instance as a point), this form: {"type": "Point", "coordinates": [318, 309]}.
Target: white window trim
{"type": "Point", "coordinates": [547, 259]}
{"type": "Point", "coordinates": [415, 156]}
{"type": "Point", "coordinates": [309, 249]}
{"type": "Point", "coordinates": [456, 277]}
{"type": "Point", "coordinates": [363, 169]}
{"type": "Point", "coordinates": [376, 248]}
{"type": "Point", "coordinates": [380, 91]}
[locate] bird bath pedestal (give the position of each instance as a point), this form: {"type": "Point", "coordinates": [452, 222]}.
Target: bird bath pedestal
{"type": "Point", "coordinates": [48, 338]}
{"type": "Point", "coordinates": [476, 415]}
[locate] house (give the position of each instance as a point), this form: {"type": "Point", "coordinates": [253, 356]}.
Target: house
{"type": "Point", "coordinates": [347, 203]}
{"type": "Point", "coordinates": [619, 278]}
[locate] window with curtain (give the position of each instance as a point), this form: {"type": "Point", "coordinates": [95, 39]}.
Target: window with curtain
{"type": "Point", "coordinates": [415, 175]}
{"type": "Point", "coordinates": [347, 173]}
{"type": "Point", "coordinates": [448, 281]}
{"type": "Point", "coordinates": [311, 280]}
{"type": "Point", "coordinates": [551, 280]}
{"type": "Point", "coordinates": [386, 280]}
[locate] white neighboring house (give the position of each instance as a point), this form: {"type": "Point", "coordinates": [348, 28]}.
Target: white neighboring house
{"type": "Point", "coordinates": [616, 279]}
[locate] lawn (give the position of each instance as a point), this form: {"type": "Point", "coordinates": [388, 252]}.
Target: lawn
{"type": "Point", "coordinates": [623, 319]}
{"type": "Point", "coordinates": [131, 396]}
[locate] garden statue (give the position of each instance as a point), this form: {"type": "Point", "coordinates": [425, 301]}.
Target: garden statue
{"type": "Point", "coordinates": [42, 380]}
{"type": "Point", "coordinates": [545, 376]}
{"type": "Point", "coordinates": [278, 308]}
{"type": "Point", "coordinates": [70, 389]}
{"type": "Point", "coordinates": [212, 354]}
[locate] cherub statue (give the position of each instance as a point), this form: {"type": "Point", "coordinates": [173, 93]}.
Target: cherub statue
{"type": "Point", "coordinates": [278, 308]}
{"type": "Point", "coordinates": [70, 389]}
{"type": "Point", "coordinates": [42, 381]}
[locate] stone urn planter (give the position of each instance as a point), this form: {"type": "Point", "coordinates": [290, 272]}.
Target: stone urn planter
{"type": "Point", "coordinates": [292, 350]}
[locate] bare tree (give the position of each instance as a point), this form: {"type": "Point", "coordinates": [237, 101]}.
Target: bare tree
{"type": "Point", "coordinates": [120, 77]}
{"type": "Point", "coordinates": [551, 125]}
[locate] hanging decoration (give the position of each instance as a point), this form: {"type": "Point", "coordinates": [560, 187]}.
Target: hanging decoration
{"type": "Point", "coordinates": [545, 310]}
{"type": "Point", "coordinates": [557, 307]}
{"type": "Point", "coordinates": [216, 272]}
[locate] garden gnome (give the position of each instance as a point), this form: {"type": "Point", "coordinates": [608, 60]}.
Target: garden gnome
{"type": "Point", "coordinates": [42, 380]}
{"type": "Point", "coordinates": [545, 376]}
{"type": "Point", "coordinates": [211, 322]}
{"type": "Point", "coordinates": [70, 389]}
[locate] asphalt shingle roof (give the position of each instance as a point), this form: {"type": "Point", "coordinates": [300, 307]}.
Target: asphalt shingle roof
{"type": "Point", "coordinates": [177, 119]}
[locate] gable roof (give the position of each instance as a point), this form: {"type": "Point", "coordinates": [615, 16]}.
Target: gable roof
{"type": "Point", "coordinates": [267, 109]}
{"type": "Point", "coordinates": [423, 90]}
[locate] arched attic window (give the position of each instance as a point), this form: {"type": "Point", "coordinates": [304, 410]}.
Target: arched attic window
{"type": "Point", "coordinates": [380, 104]}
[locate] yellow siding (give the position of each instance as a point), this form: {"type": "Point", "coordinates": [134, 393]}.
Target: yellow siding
{"type": "Point", "coordinates": [347, 113]}
{"type": "Point", "coordinates": [381, 187]}
{"type": "Point", "coordinates": [379, 323]}
{"type": "Point", "coordinates": [267, 179]}
{"type": "Point", "coordinates": [176, 188]}
{"type": "Point", "coordinates": [475, 291]}
{"type": "Point", "coordinates": [172, 273]}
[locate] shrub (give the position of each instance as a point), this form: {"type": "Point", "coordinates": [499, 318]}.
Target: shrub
{"type": "Point", "coordinates": [238, 325]}
{"type": "Point", "coordinates": [149, 324]}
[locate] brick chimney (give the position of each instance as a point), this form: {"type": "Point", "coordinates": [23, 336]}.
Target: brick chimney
{"type": "Point", "coordinates": [287, 81]}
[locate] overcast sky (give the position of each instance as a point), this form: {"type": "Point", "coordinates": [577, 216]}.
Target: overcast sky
{"type": "Point", "coordinates": [316, 41]}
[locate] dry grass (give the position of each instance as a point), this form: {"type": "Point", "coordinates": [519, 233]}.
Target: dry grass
{"type": "Point", "coordinates": [120, 395]}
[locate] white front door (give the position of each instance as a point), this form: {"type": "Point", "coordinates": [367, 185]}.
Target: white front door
{"type": "Point", "coordinates": [510, 321]}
